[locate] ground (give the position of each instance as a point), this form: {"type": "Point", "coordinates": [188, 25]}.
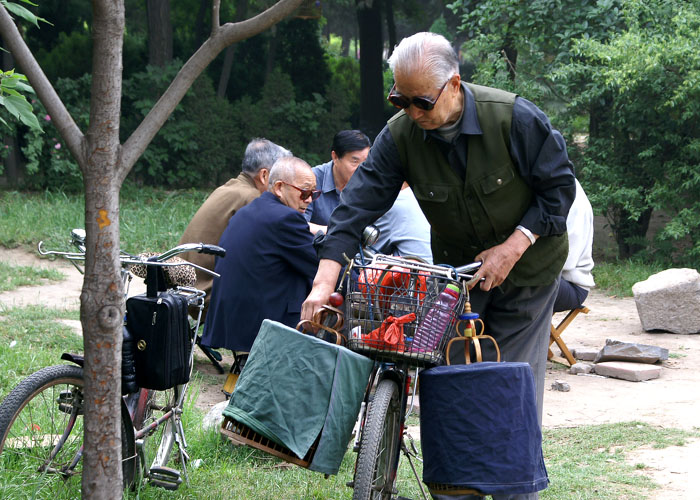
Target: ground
{"type": "Point", "coordinates": [670, 401]}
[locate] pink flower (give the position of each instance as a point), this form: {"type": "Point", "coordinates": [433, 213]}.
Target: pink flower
{"type": "Point", "coordinates": [58, 145]}
{"type": "Point", "coordinates": [47, 118]}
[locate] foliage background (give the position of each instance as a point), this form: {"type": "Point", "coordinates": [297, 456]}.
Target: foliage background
{"type": "Point", "coordinates": [619, 78]}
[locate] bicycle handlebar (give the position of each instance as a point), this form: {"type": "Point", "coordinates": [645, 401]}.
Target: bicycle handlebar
{"type": "Point", "coordinates": [455, 273]}
{"type": "Point", "coordinates": [213, 250]}
{"type": "Point", "coordinates": [78, 240]}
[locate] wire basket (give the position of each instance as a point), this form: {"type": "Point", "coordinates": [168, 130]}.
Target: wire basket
{"type": "Point", "coordinates": [394, 314]}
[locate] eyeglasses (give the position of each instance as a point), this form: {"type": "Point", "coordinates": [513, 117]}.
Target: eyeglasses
{"type": "Point", "coordinates": [305, 193]}
{"type": "Point", "coordinates": [424, 103]}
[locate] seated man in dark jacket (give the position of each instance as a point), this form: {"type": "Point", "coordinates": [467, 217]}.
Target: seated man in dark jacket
{"type": "Point", "coordinates": [270, 260]}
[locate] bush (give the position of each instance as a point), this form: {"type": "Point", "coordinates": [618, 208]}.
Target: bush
{"type": "Point", "coordinates": [304, 127]}
{"type": "Point", "coordinates": [192, 147]}
{"type": "Point", "coordinates": [49, 163]}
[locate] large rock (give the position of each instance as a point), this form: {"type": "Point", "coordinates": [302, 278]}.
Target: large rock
{"type": "Point", "coordinates": [616, 350]}
{"type": "Point", "coordinates": [213, 419]}
{"type": "Point", "coordinates": [669, 301]}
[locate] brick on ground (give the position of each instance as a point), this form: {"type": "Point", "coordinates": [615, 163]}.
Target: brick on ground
{"type": "Point", "coordinates": [585, 353]}
{"type": "Point", "coordinates": [634, 372]}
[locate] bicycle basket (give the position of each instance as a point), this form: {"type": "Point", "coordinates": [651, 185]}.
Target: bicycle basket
{"type": "Point", "coordinates": [397, 315]}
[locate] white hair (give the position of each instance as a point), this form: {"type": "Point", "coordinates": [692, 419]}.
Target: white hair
{"type": "Point", "coordinates": [427, 53]}
{"type": "Point", "coordinates": [285, 169]}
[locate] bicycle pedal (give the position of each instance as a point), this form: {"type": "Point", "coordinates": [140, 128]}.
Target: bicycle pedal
{"type": "Point", "coordinates": [66, 400]}
{"type": "Point", "coordinates": [165, 477]}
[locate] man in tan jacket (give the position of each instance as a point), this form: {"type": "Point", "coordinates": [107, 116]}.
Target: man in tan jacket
{"type": "Point", "coordinates": [211, 219]}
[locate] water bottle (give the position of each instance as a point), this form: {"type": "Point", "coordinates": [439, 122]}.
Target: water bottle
{"type": "Point", "coordinates": [436, 320]}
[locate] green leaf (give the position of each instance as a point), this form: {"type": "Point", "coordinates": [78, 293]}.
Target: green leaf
{"type": "Point", "coordinates": [11, 91]}
{"type": "Point", "coordinates": [20, 108]}
{"type": "Point", "coordinates": [22, 12]}
{"type": "Point", "coordinates": [24, 87]}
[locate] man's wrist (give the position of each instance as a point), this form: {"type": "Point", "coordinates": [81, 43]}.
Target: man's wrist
{"type": "Point", "coordinates": [527, 233]}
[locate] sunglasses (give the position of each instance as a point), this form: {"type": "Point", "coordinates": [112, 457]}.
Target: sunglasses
{"type": "Point", "coordinates": [424, 103]}
{"type": "Point", "coordinates": [305, 193]}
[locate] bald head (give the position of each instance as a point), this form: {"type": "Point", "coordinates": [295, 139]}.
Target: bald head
{"type": "Point", "coordinates": [290, 179]}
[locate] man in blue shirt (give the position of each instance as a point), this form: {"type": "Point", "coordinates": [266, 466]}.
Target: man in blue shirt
{"type": "Point", "coordinates": [350, 148]}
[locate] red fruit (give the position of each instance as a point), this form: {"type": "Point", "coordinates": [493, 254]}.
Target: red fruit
{"type": "Point", "coordinates": [336, 299]}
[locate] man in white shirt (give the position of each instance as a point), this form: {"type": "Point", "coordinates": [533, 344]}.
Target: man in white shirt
{"type": "Point", "coordinates": [576, 279]}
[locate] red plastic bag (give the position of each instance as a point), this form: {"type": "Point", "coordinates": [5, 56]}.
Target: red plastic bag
{"type": "Point", "coordinates": [389, 335]}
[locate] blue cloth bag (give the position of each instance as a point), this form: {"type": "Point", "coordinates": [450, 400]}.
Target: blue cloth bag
{"type": "Point", "coordinates": [479, 428]}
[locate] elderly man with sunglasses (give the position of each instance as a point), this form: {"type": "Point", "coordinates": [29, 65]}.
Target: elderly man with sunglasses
{"type": "Point", "coordinates": [211, 218]}
{"type": "Point", "coordinates": [270, 260]}
{"type": "Point", "coordinates": [493, 179]}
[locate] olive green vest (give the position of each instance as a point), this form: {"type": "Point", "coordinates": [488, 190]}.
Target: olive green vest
{"type": "Point", "coordinates": [468, 217]}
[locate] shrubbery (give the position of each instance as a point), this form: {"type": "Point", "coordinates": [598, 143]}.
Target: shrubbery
{"type": "Point", "coordinates": [202, 142]}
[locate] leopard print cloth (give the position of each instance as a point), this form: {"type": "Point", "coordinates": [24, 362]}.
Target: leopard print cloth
{"type": "Point", "coordinates": [174, 275]}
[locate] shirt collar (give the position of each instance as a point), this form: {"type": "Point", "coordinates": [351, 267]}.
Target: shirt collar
{"type": "Point", "coordinates": [248, 179]}
{"type": "Point", "coordinates": [470, 120]}
{"type": "Point", "coordinates": [328, 183]}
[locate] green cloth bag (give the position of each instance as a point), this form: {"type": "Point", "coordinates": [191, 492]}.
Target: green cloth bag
{"type": "Point", "coordinates": [294, 387]}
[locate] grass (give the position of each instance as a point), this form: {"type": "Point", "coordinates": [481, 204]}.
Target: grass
{"type": "Point", "coordinates": [583, 463]}
{"type": "Point", "coordinates": [589, 462]}
{"type": "Point", "coordinates": [617, 277]}
{"type": "Point", "coordinates": [150, 219]}
{"type": "Point", "coordinates": [32, 338]}
{"type": "Point", "coordinates": [13, 276]}
{"type": "Point", "coordinates": [154, 219]}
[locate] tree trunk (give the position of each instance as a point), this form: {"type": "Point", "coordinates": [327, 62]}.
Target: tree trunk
{"type": "Point", "coordinates": [629, 234]}
{"type": "Point", "coordinates": [241, 12]}
{"type": "Point", "coordinates": [160, 32]}
{"type": "Point", "coordinates": [102, 297]}
{"type": "Point", "coordinates": [390, 24]}
{"type": "Point", "coordinates": [511, 55]}
{"type": "Point", "coordinates": [11, 163]}
{"type": "Point", "coordinates": [105, 164]}
{"type": "Point", "coordinates": [371, 79]}
{"type": "Point", "coordinates": [271, 53]}
{"type": "Point", "coordinates": [200, 26]}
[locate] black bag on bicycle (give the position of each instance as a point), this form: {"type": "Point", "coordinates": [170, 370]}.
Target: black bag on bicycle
{"type": "Point", "coordinates": [160, 329]}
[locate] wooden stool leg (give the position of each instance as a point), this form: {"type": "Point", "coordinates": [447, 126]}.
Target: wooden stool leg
{"type": "Point", "coordinates": [555, 334]}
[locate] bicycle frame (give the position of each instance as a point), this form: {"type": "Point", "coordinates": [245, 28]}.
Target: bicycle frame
{"type": "Point", "coordinates": [135, 407]}
{"type": "Point", "coordinates": [391, 287]}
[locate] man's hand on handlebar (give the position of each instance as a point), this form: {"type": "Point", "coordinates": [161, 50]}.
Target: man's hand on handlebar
{"type": "Point", "coordinates": [498, 261]}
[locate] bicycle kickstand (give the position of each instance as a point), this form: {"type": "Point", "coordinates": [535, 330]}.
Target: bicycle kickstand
{"type": "Point", "coordinates": [409, 454]}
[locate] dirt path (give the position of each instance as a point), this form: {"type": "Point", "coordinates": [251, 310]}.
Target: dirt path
{"type": "Point", "coordinates": [670, 401]}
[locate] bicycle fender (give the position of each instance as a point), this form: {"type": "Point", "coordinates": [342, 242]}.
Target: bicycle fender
{"type": "Point", "coordinates": [78, 359]}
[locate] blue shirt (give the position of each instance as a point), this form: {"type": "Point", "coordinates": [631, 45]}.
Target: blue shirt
{"type": "Point", "coordinates": [319, 211]}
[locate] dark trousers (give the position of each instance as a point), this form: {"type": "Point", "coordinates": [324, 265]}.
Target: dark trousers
{"type": "Point", "coordinates": [569, 296]}
{"type": "Point", "coordinates": [519, 318]}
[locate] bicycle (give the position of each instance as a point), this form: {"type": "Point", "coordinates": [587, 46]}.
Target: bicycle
{"type": "Point", "coordinates": [394, 287]}
{"type": "Point", "coordinates": [41, 425]}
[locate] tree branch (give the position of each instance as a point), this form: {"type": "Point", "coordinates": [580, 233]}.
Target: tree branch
{"type": "Point", "coordinates": [61, 118]}
{"type": "Point", "coordinates": [222, 38]}
{"type": "Point", "coordinates": [215, 16]}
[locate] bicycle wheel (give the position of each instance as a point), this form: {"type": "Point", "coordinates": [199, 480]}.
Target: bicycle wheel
{"type": "Point", "coordinates": [377, 460]}
{"type": "Point", "coordinates": [41, 430]}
